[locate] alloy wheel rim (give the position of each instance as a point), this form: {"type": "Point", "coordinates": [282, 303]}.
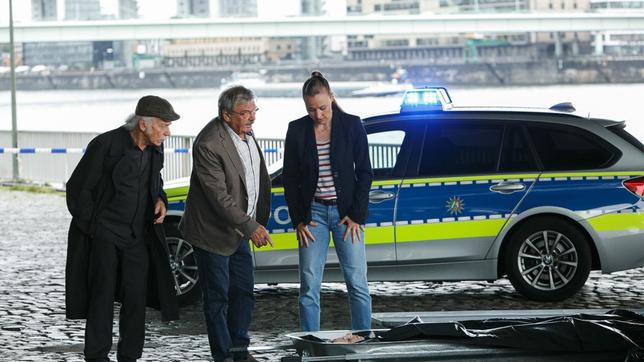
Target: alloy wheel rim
{"type": "Point", "coordinates": [547, 260]}
{"type": "Point", "coordinates": [183, 265]}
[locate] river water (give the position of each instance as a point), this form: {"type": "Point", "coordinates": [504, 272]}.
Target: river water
{"type": "Point", "coordinates": [101, 110]}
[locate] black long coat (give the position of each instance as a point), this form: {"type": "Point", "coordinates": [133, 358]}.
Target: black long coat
{"type": "Point", "coordinates": [89, 189]}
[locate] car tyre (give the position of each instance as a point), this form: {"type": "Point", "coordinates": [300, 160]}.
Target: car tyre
{"type": "Point", "coordinates": [183, 263]}
{"type": "Point", "coordinates": [548, 259]}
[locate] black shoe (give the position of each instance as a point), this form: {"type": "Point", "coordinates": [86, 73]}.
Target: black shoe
{"type": "Point", "coordinates": [125, 359]}
{"type": "Point", "coordinates": [248, 358]}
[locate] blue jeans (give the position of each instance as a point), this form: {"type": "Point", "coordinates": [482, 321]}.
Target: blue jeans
{"type": "Point", "coordinates": [353, 263]}
{"type": "Point", "coordinates": [227, 284]}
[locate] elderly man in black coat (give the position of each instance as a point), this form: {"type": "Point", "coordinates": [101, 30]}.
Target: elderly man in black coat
{"type": "Point", "coordinates": [116, 244]}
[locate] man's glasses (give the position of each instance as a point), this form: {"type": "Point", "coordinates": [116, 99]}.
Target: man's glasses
{"type": "Point", "coordinates": [246, 113]}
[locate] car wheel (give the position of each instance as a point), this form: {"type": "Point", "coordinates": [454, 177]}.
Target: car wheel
{"type": "Point", "coordinates": [183, 263]}
{"type": "Point", "coordinates": [548, 259]}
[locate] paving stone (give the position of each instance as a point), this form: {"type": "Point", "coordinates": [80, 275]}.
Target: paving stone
{"type": "Point", "coordinates": [33, 325]}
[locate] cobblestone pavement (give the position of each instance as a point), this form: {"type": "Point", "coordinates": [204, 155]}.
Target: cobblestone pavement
{"type": "Point", "coordinates": [33, 325]}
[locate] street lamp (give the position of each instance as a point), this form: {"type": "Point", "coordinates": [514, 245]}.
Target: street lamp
{"type": "Point", "coordinates": [14, 127]}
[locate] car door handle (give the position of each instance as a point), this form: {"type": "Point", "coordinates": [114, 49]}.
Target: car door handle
{"type": "Point", "coordinates": [378, 196]}
{"type": "Point", "coordinates": [507, 187]}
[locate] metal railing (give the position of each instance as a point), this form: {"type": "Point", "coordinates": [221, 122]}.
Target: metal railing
{"type": "Point", "coordinates": [42, 163]}
{"type": "Point", "coordinates": [57, 168]}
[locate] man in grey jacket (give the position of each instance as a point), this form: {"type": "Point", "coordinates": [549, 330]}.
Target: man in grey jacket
{"type": "Point", "coordinates": [228, 204]}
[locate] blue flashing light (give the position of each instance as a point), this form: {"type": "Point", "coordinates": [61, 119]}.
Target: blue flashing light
{"type": "Point", "coordinates": [426, 99]}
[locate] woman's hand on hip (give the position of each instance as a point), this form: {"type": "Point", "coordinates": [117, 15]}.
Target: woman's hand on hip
{"type": "Point", "coordinates": [352, 227]}
{"type": "Point", "coordinates": [304, 235]}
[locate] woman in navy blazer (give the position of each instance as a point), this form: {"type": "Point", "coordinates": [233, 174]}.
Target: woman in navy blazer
{"type": "Point", "coordinates": [327, 176]}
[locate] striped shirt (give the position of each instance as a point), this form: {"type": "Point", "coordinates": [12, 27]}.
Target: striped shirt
{"type": "Point", "coordinates": [249, 155]}
{"type": "Point", "coordinates": [325, 188]}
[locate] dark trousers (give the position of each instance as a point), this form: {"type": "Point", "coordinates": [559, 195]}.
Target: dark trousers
{"type": "Point", "coordinates": [110, 266]}
{"type": "Point", "coordinates": [227, 285]}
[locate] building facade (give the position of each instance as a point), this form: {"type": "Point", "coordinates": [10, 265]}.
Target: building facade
{"type": "Point", "coordinates": [618, 43]}
{"type": "Point", "coordinates": [231, 50]}
{"type": "Point", "coordinates": [128, 9]}
{"type": "Point", "coordinates": [70, 55]}
{"type": "Point", "coordinates": [193, 8]}
{"type": "Point", "coordinates": [82, 9]}
{"type": "Point", "coordinates": [391, 7]}
{"type": "Point", "coordinates": [44, 10]}
{"type": "Point", "coordinates": [471, 47]}
{"type": "Point", "coordinates": [238, 8]}
{"type": "Point", "coordinates": [215, 52]}
{"type": "Point", "coordinates": [562, 44]}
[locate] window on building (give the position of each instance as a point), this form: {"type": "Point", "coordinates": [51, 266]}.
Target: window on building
{"type": "Point", "coordinates": [396, 42]}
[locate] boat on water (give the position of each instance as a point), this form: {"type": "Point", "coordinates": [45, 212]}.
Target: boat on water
{"type": "Point", "coordinates": [383, 89]}
{"type": "Point", "coordinates": [263, 88]}
{"type": "Point", "coordinates": [249, 80]}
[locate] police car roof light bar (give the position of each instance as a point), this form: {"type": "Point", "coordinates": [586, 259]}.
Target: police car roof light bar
{"type": "Point", "coordinates": [426, 99]}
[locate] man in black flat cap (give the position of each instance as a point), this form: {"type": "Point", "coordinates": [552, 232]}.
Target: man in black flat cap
{"type": "Point", "coordinates": [116, 244]}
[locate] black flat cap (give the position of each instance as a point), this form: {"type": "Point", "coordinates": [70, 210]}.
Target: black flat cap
{"type": "Point", "coordinates": [153, 106]}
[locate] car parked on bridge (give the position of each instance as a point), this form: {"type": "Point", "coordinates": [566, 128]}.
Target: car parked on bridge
{"type": "Point", "coordinates": [542, 196]}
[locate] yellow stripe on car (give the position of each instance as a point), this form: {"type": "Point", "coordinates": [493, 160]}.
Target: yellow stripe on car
{"type": "Point", "coordinates": [592, 174]}
{"type": "Point", "coordinates": [373, 235]}
{"type": "Point", "coordinates": [449, 230]}
{"type": "Point", "coordinates": [633, 221]}
{"type": "Point", "coordinates": [469, 178]}
{"type": "Point", "coordinates": [177, 193]}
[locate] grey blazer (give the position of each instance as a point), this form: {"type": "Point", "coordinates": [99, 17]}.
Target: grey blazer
{"type": "Point", "coordinates": [215, 215]}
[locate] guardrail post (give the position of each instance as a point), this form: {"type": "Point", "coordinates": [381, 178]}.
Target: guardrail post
{"type": "Point", "coordinates": [14, 123]}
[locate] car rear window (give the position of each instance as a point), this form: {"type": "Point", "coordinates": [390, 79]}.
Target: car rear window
{"type": "Point", "coordinates": [620, 130]}
{"type": "Point", "coordinates": [570, 148]}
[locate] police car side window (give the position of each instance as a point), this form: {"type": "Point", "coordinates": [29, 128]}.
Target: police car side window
{"type": "Point", "coordinates": [384, 148]}
{"type": "Point", "coordinates": [570, 148]}
{"type": "Point", "coordinates": [390, 150]}
{"type": "Point", "coordinates": [457, 149]}
{"type": "Point", "coordinates": [516, 154]}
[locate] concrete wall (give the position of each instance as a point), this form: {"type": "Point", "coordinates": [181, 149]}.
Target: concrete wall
{"type": "Point", "coordinates": [480, 74]}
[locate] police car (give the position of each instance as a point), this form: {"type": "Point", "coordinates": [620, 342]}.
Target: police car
{"type": "Point", "coordinates": [542, 196]}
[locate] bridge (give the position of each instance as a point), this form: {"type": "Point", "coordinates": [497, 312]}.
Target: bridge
{"type": "Point", "coordinates": [61, 31]}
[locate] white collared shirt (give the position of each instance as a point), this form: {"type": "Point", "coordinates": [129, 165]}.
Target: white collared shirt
{"type": "Point", "coordinates": [249, 154]}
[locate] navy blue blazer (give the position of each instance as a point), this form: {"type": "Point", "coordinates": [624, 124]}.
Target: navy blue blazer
{"type": "Point", "coordinates": [350, 164]}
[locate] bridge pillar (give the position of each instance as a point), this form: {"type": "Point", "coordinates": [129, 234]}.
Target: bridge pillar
{"type": "Point", "coordinates": [575, 47]}
{"type": "Point", "coordinates": [558, 45]}
{"type": "Point", "coordinates": [599, 43]}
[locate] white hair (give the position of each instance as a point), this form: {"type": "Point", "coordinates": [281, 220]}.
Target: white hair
{"type": "Point", "coordinates": [133, 120]}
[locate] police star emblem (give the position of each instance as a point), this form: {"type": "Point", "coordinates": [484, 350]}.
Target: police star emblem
{"type": "Point", "coordinates": [455, 205]}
